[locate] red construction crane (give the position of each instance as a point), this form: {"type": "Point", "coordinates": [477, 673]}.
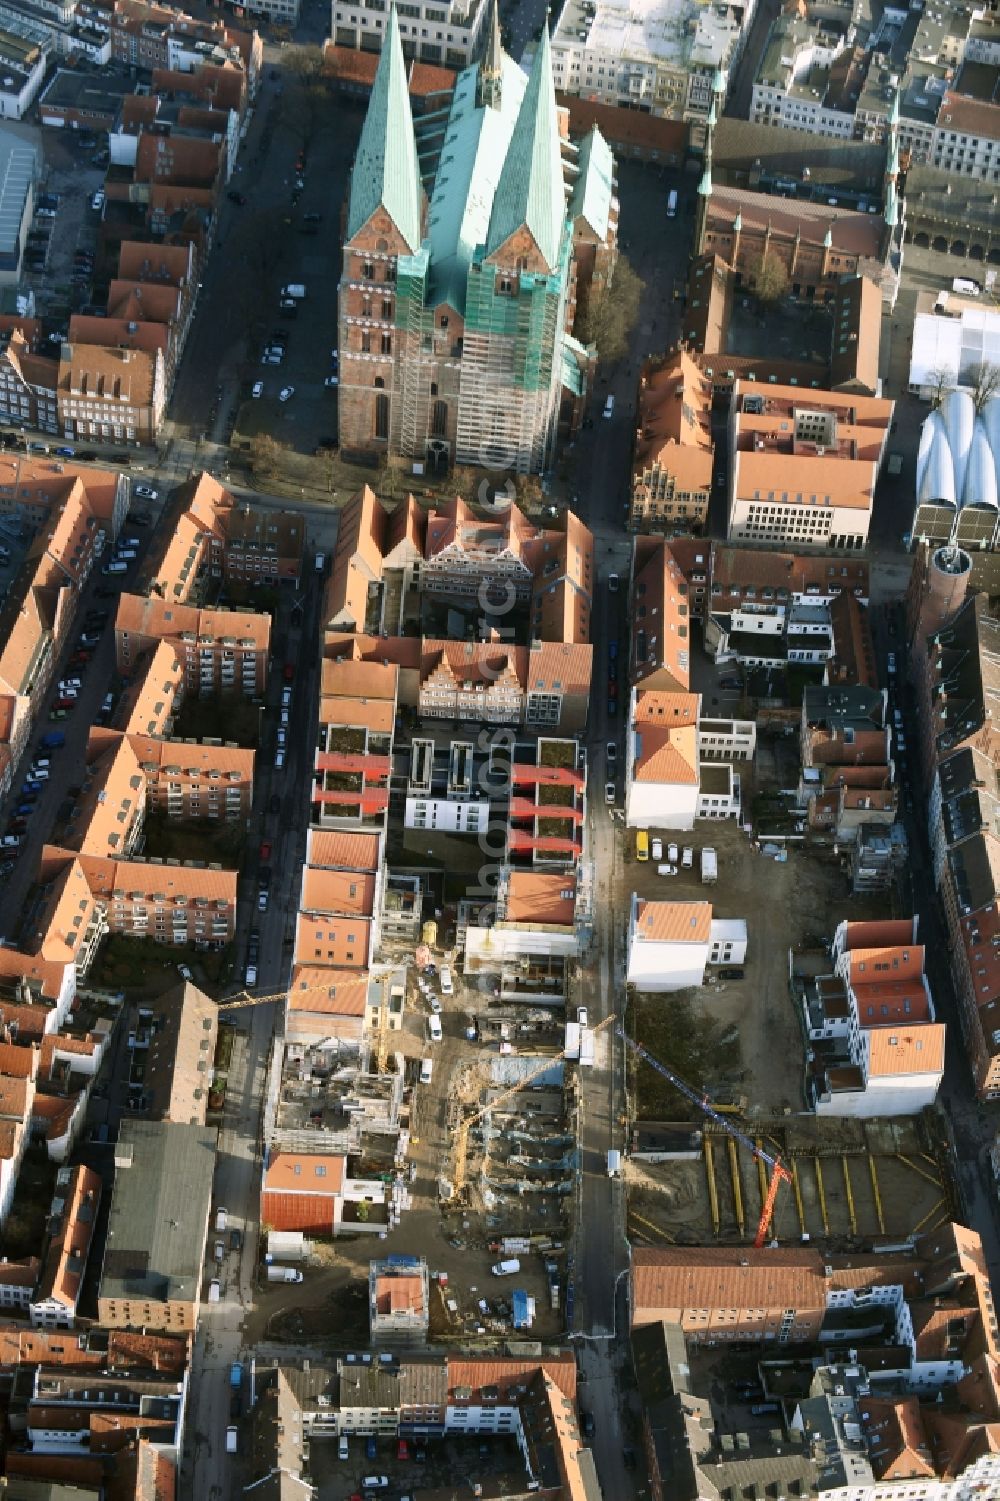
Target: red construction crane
{"type": "Point", "coordinates": [779, 1172]}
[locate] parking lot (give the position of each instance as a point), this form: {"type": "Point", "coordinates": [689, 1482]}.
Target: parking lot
{"type": "Point", "coordinates": [61, 249]}
{"type": "Point", "coordinates": [33, 816]}
{"type": "Point", "coordinates": [448, 1463]}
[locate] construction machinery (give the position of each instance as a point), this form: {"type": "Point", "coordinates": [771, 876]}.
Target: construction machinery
{"type": "Point", "coordinates": [779, 1172]}
{"type": "Point", "coordinates": [458, 1175]}
{"type": "Point", "coordinates": [244, 998]}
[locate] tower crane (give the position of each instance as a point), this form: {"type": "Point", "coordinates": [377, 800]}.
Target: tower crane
{"type": "Point", "coordinates": [779, 1172]}
{"type": "Point", "coordinates": [458, 1175]}
{"type": "Point", "coordinates": [244, 998]}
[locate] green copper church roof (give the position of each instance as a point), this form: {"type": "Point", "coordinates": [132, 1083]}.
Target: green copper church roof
{"type": "Point", "coordinates": [530, 191]}
{"type": "Point", "coordinates": [386, 170]}
{"type": "Point", "coordinates": [475, 147]}
{"type": "Point", "coordinates": [594, 188]}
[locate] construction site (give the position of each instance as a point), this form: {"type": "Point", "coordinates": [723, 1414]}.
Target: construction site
{"type": "Point", "coordinates": [840, 1183]}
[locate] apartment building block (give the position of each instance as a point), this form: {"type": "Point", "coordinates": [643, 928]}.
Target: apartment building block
{"type": "Point", "coordinates": [449, 33]}
{"type": "Point", "coordinates": [263, 547]}
{"type": "Point", "coordinates": [665, 57]}
{"type": "Point", "coordinates": [149, 36]}
{"type": "Point", "coordinates": [222, 651]}
{"type": "Point", "coordinates": [187, 779]}
{"type": "Point", "coordinates": [802, 469]}
{"type": "Point", "coordinates": [873, 1046]}
{"type": "Point", "coordinates": [672, 461]}
{"type": "Point", "coordinates": [174, 1037]}
{"type": "Point", "coordinates": [169, 901]}
{"type": "Point", "coordinates": [29, 376]}
{"type": "Point", "coordinates": [110, 395]}
{"type": "Point", "coordinates": [152, 1270]}
{"type": "Point", "coordinates": [354, 761]}
{"type": "Point", "coordinates": [70, 1230]}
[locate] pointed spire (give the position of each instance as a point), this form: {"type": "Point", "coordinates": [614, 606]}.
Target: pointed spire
{"type": "Point", "coordinates": [719, 82]}
{"type": "Point", "coordinates": [386, 169]}
{"type": "Point", "coordinates": [892, 162]}
{"type": "Point", "coordinates": [891, 214]}
{"type": "Point", "coordinates": [738, 223]}
{"type": "Point", "coordinates": [894, 111]}
{"type": "Point", "coordinates": [828, 239]}
{"type": "Point", "coordinates": [705, 186]}
{"type": "Point", "coordinates": [491, 65]}
{"type": "Point", "coordinates": [713, 116]}
{"type": "Point", "coordinates": [530, 191]}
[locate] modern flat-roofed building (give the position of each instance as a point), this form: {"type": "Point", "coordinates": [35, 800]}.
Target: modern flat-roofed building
{"type": "Point", "coordinates": [803, 466]}
{"type": "Point", "coordinates": [662, 57]}
{"type": "Point", "coordinates": [155, 1247]}
{"type": "Point", "coordinates": [448, 32]}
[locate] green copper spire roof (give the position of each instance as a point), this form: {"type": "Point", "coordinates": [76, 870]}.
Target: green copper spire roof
{"type": "Point", "coordinates": [386, 170]}
{"type": "Point", "coordinates": [530, 190]}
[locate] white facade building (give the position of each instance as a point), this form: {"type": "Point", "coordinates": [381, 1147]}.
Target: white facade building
{"type": "Point", "coordinates": [446, 815]}
{"type": "Point", "coordinates": [661, 56]}
{"type": "Point", "coordinates": [668, 944]}
{"type": "Point", "coordinates": [448, 33]}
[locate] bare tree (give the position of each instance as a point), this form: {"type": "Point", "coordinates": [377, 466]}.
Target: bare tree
{"type": "Point", "coordinates": [941, 380]}
{"type": "Point", "coordinates": [607, 315]}
{"type": "Point", "coordinates": [985, 383]}
{"type": "Point", "coordinates": [770, 279]}
{"type": "Point", "coordinates": [265, 453]}
{"type": "Point", "coordinates": [305, 96]}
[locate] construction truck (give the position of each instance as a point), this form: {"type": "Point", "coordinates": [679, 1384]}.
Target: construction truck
{"type": "Point", "coordinates": [709, 866]}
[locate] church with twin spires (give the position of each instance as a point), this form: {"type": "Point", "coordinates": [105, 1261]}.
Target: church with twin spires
{"type": "Point", "coordinates": [470, 237]}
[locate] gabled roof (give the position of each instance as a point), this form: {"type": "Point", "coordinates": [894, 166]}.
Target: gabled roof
{"type": "Point", "coordinates": [386, 170]}
{"type": "Point", "coordinates": [593, 192]}
{"type": "Point", "coordinates": [530, 191]}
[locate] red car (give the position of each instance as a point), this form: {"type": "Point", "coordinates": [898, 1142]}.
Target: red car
{"type": "Point", "coordinates": [402, 1449]}
{"type": "Point", "coordinates": [289, 672]}
{"type": "Point", "coordinates": [265, 850]}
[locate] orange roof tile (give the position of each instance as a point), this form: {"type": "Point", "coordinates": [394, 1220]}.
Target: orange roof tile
{"type": "Point", "coordinates": [673, 922]}
{"type": "Point", "coordinates": [340, 942]}
{"type": "Point", "coordinates": [304, 1172]}
{"type": "Point", "coordinates": [327, 991]}
{"type": "Point", "coordinates": [505, 1371]}
{"type": "Point", "coordinates": [905, 1050]}
{"type": "Point", "coordinates": [343, 850]}
{"type": "Point", "coordinates": [541, 899]}
{"type": "Point", "coordinates": [337, 891]}
{"type": "Point", "coordinates": [399, 1295]}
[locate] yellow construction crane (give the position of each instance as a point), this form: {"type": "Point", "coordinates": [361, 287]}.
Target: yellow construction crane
{"type": "Point", "coordinates": [465, 1126]}
{"type": "Point", "coordinates": [244, 998]}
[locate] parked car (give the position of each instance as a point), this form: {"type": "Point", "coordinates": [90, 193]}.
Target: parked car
{"type": "Point", "coordinates": [286, 393]}
{"type": "Point", "coordinates": [656, 849]}
{"type": "Point", "coordinates": [145, 492]}
{"type": "Point", "coordinates": [609, 792]}
{"type": "Point", "coordinates": [730, 974]}
{"type": "Point", "coordinates": [613, 583]}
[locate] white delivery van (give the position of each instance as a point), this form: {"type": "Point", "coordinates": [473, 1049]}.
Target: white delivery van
{"type": "Point", "coordinates": [609, 408]}
{"type": "Point", "coordinates": [672, 203]}
{"type": "Point", "coordinates": [447, 984]}
{"type": "Point", "coordinates": [506, 1268]}
{"type": "Point", "coordinates": [426, 1070]}
{"type": "Point", "coordinates": [231, 1439]}
{"type": "Point", "coordinates": [434, 1028]}
{"type": "Point", "coordinates": [614, 1163]}
{"type": "Point", "coordinates": [214, 1290]}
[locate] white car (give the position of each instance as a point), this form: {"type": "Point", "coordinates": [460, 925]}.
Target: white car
{"type": "Point", "coordinates": [687, 858]}
{"type": "Point", "coordinates": [286, 393]}
{"type": "Point", "coordinates": [184, 972]}
{"type": "Point", "coordinates": [375, 1483]}
{"type": "Point", "coordinates": [332, 380]}
{"type": "Point", "coordinates": [251, 978]}
{"type": "Point", "coordinates": [609, 792]}
{"type": "Point", "coordinates": [435, 1004]}
{"type": "Point", "coordinates": [447, 988]}
{"type": "Point", "coordinates": [279, 760]}
{"type": "Point", "coordinates": [97, 202]}
{"type": "Point", "coordinates": [581, 1015]}
{"type": "Point", "coordinates": [613, 582]}
{"type": "Point", "coordinates": [672, 854]}
{"type": "Point", "coordinates": [258, 389]}
{"type": "Point", "coordinates": [146, 492]}
{"type": "Point", "coordinates": [656, 849]}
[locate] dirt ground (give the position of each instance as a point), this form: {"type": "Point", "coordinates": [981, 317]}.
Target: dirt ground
{"type": "Point", "coordinates": [785, 906]}
{"type": "Point", "coordinates": [331, 1304]}
{"type": "Point", "coordinates": [854, 1180]}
